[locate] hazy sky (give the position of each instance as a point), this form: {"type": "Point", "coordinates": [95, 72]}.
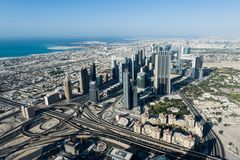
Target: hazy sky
{"type": "Point", "coordinates": [76, 18]}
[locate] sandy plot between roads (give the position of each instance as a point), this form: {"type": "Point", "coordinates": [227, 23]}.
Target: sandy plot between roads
{"type": "Point", "coordinates": [222, 64]}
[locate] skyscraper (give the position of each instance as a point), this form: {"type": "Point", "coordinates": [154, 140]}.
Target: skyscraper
{"type": "Point", "coordinates": [127, 97]}
{"type": "Point", "coordinates": [67, 88]}
{"type": "Point", "coordinates": [84, 81]}
{"type": "Point", "coordinates": [198, 65]}
{"type": "Point", "coordinates": [93, 92]}
{"type": "Point", "coordinates": [128, 66]}
{"type": "Point", "coordinates": [153, 59]}
{"type": "Point", "coordinates": [133, 68]}
{"type": "Point", "coordinates": [193, 67]}
{"type": "Point", "coordinates": [140, 55]}
{"type": "Point", "coordinates": [135, 97]}
{"type": "Point", "coordinates": [121, 69]}
{"type": "Point", "coordinates": [162, 73]}
{"type": "Point", "coordinates": [106, 78]}
{"type": "Point", "coordinates": [180, 52]}
{"type": "Point", "coordinates": [93, 72]}
{"type": "Point", "coordinates": [187, 50]}
{"type": "Point", "coordinates": [141, 80]}
{"type": "Point", "coordinates": [114, 62]}
{"type": "Point", "coordinates": [114, 69]}
{"type": "Point", "coordinates": [100, 78]}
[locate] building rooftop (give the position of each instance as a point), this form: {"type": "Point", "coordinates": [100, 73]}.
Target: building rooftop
{"type": "Point", "coordinates": [119, 154]}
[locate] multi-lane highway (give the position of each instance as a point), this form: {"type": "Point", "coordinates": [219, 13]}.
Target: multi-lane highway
{"type": "Point", "coordinates": [137, 139]}
{"type": "Point", "coordinates": [127, 136]}
{"type": "Point", "coordinates": [10, 102]}
{"type": "Point", "coordinates": [215, 146]}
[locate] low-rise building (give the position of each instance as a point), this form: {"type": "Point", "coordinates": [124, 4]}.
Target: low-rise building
{"type": "Point", "coordinates": [137, 127]}
{"type": "Point", "coordinates": [118, 154]}
{"type": "Point", "coordinates": [171, 119]}
{"type": "Point", "coordinates": [167, 136]}
{"type": "Point", "coordinates": [162, 118]}
{"type": "Point", "coordinates": [190, 119]}
{"type": "Point", "coordinates": [72, 147]}
{"type": "Point", "coordinates": [151, 131]}
{"type": "Point", "coordinates": [183, 140]}
{"type": "Point", "coordinates": [144, 118]}
{"type": "Point", "coordinates": [197, 130]}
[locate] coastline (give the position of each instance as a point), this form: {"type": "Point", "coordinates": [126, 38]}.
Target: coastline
{"type": "Point", "coordinates": [54, 48]}
{"type": "Point", "coordinates": [30, 55]}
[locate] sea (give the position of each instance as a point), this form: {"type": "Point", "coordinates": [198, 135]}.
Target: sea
{"type": "Point", "coordinates": [18, 47]}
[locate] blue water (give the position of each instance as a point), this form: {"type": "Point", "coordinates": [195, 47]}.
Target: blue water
{"type": "Point", "coordinates": [26, 46]}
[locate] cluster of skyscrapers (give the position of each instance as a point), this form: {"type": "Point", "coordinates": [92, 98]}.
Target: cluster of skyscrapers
{"type": "Point", "coordinates": [87, 84]}
{"type": "Point", "coordinates": [138, 75]}
{"type": "Point", "coordinates": [135, 74]}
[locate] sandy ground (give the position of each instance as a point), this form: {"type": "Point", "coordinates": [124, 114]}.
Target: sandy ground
{"type": "Point", "coordinates": [36, 129]}
{"type": "Point", "coordinates": [230, 134]}
{"type": "Point", "coordinates": [221, 64]}
{"type": "Point", "coordinates": [9, 123]}
{"type": "Point", "coordinates": [49, 124]}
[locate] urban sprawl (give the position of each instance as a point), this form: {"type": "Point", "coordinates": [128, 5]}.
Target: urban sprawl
{"type": "Point", "coordinates": [146, 99]}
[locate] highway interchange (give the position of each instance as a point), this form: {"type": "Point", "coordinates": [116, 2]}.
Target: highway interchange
{"type": "Point", "coordinates": [96, 126]}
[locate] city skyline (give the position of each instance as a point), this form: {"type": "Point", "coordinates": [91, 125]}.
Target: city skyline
{"type": "Point", "coordinates": [119, 18]}
{"type": "Point", "coordinates": [139, 79]}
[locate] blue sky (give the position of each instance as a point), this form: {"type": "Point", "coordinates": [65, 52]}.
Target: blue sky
{"type": "Point", "coordinates": [77, 18]}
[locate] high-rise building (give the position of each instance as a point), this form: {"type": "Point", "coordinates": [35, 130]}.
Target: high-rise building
{"type": "Point", "coordinates": [146, 62]}
{"type": "Point", "coordinates": [127, 97]}
{"type": "Point", "coordinates": [114, 68]}
{"type": "Point", "coordinates": [84, 81]}
{"type": "Point", "coordinates": [166, 47]}
{"type": "Point", "coordinates": [135, 97]}
{"type": "Point", "coordinates": [28, 112]}
{"type": "Point", "coordinates": [141, 80]}
{"type": "Point", "coordinates": [121, 69]}
{"type": "Point", "coordinates": [100, 79]}
{"type": "Point", "coordinates": [93, 92]}
{"type": "Point", "coordinates": [198, 65]}
{"type": "Point", "coordinates": [141, 57]}
{"type": "Point", "coordinates": [193, 66]}
{"type": "Point", "coordinates": [187, 50]}
{"type": "Point", "coordinates": [128, 66]}
{"type": "Point", "coordinates": [106, 78]}
{"type": "Point", "coordinates": [52, 97]}
{"type": "Point", "coordinates": [180, 53]}
{"type": "Point", "coordinates": [133, 68]}
{"type": "Point", "coordinates": [114, 62]}
{"type": "Point", "coordinates": [93, 72]}
{"type": "Point", "coordinates": [162, 81]}
{"type": "Point", "coordinates": [67, 88]}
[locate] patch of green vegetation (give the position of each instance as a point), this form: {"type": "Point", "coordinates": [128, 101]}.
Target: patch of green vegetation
{"type": "Point", "coordinates": [162, 107]}
{"type": "Point", "coordinates": [213, 83]}
{"type": "Point", "coordinates": [234, 96]}
{"type": "Point", "coordinates": [193, 91]}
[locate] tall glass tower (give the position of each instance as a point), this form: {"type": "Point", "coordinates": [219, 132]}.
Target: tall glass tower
{"type": "Point", "coordinates": [127, 97]}
{"type": "Point", "coordinates": [67, 88]}
{"type": "Point", "coordinates": [162, 81]}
